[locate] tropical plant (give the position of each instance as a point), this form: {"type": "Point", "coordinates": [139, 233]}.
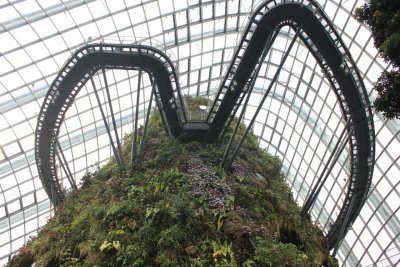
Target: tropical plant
{"type": "Point", "coordinates": [383, 17]}
{"type": "Point", "coordinates": [179, 208]}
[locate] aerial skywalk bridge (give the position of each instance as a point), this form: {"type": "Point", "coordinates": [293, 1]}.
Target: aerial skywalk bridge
{"type": "Point", "coordinates": [311, 26]}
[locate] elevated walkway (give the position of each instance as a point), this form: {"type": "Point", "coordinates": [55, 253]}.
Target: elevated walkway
{"type": "Point", "coordinates": [76, 72]}
{"type": "Point", "coordinates": [319, 35]}
{"type": "Point", "coordinates": [316, 32]}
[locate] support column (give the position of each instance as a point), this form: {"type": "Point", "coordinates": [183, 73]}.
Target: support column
{"type": "Point", "coordinates": [343, 226]}
{"type": "Point", "coordinates": [64, 164]}
{"type": "Point", "coordinates": [249, 91]}
{"type": "Point", "coordinates": [115, 150]}
{"type": "Point", "coordinates": [135, 130]}
{"type": "Point", "coordinates": [122, 164]}
{"type": "Point", "coordinates": [320, 182]}
{"type": "Point", "coordinates": [228, 165]}
{"type": "Point", "coordinates": [142, 140]}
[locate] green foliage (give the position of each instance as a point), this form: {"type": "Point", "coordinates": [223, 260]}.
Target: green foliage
{"type": "Point", "coordinates": [171, 238]}
{"type": "Point", "coordinates": [150, 214]}
{"type": "Point", "coordinates": [180, 209]}
{"type": "Point", "coordinates": [68, 261]}
{"type": "Point", "coordinates": [107, 246]}
{"type": "Point", "coordinates": [388, 88]}
{"type": "Point", "coordinates": [332, 261]}
{"type": "Point", "coordinates": [270, 252]}
{"type": "Point", "coordinates": [23, 258]}
{"type": "Point", "coordinates": [194, 105]}
{"type": "Point", "coordinates": [383, 17]}
{"type": "Point", "coordinates": [223, 254]}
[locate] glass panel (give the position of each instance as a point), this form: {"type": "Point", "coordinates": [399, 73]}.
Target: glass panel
{"type": "Point", "coordinates": [4, 66]}
{"type": "Point", "coordinates": [151, 10]}
{"type": "Point", "coordinates": [297, 122]}
{"type": "Point", "coordinates": [166, 6]}
{"type": "Point", "coordinates": [24, 34]}
{"type": "Point", "coordinates": [98, 9]}
{"type": "Point", "coordinates": [63, 21]}
{"type": "Point", "coordinates": [44, 27]}
{"type": "Point", "coordinates": [8, 13]}
{"type": "Point", "coordinates": [27, 7]}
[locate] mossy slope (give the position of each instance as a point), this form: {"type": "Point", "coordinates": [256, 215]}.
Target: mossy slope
{"type": "Point", "coordinates": [178, 208]}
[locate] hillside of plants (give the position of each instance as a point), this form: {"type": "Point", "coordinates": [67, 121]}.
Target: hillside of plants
{"type": "Point", "coordinates": [176, 207]}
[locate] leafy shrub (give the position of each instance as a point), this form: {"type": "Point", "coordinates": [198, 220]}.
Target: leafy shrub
{"type": "Point", "coordinates": [179, 208]}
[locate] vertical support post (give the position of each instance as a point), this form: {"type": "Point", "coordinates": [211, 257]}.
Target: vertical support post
{"type": "Point", "coordinates": [115, 150]}
{"type": "Point", "coordinates": [263, 99]}
{"type": "Point", "coordinates": [112, 116]}
{"type": "Point", "coordinates": [311, 198]}
{"type": "Point", "coordinates": [267, 47]}
{"type": "Point", "coordinates": [342, 228]}
{"type": "Point", "coordinates": [53, 195]}
{"type": "Point", "coordinates": [250, 90]}
{"type": "Point", "coordinates": [318, 186]}
{"type": "Point", "coordinates": [135, 131]}
{"type": "Point", "coordinates": [63, 161]}
{"type": "Point", "coordinates": [142, 140]}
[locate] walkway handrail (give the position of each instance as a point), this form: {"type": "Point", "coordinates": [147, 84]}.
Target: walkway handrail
{"type": "Point", "coordinates": [317, 33]}
{"type": "Point", "coordinates": [323, 41]}
{"type": "Point", "coordinates": [75, 73]}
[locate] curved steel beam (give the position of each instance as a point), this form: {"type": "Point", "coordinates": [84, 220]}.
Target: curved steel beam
{"type": "Point", "coordinates": [317, 33]}
{"type": "Point", "coordinates": [321, 38]}
{"type": "Point", "coordinates": [76, 72]}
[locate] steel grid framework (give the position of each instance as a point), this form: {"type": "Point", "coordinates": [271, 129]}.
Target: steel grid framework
{"type": "Point", "coordinates": [201, 35]}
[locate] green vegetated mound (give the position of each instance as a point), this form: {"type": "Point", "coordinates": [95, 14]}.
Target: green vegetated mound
{"type": "Point", "coordinates": [178, 208]}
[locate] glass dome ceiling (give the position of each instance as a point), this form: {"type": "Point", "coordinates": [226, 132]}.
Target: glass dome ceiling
{"type": "Point", "coordinates": [300, 120]}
